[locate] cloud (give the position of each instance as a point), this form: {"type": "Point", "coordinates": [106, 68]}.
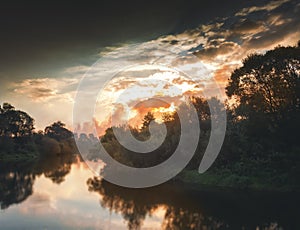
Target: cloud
{"type": "Point", "coordinates": [207, 53]}
{"type": "Point", "coordinates": [268, 7]}
{"type": "Point", "coordinates": [222, 74]}
{"type": "Point", "coordinates": [227, 41]}
{"type": "Point", "coordinates": [45, 89]}
{"type": "Point", "coordinates": [77, 70]}
{"type": "Point", "coordinates": [246, 26]}
{"type": "Point", "coordinates": [225, 48]}
{"type": "Point", "coordinates": [129, 99]}
{"type": "Point", "coordinates": [46, 99]}
{"type": "Point", "coordinates": [219, 47]}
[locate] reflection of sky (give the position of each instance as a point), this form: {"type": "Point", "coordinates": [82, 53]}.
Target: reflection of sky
{"type": "Point", "coordinates": [68, 205]}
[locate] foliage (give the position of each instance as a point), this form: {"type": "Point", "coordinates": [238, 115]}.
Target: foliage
{"type": "Point", "coordinates": [261, 147]}
{"type": "Point", "coordinates": [58, 131]}
{"type": "Point", "coordinates": [15, 123]}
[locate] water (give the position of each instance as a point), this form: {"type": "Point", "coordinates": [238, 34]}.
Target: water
{"type": "Point", "coordinates": [62, 193]}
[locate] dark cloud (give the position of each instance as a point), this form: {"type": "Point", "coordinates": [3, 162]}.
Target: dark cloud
{"type": "Point", "coordinates": [211, 52]}
{"type": "Point", "coordinates": [43, 38]}
{"type": "Point", "coordinates": [252, 28]}
{"type": "Point", "coordinates": [247, 26]}
{"type": "Point", "coordinates": [39, 38]}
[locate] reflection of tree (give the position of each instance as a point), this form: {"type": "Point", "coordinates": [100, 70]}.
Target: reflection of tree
{"type": "Point", "coordinates": [55, 167]}
{"type": "Point", "coordinates": [16, 180]}
{"type": "Point", "coordinates": [57, 149]}
{"type": "Point", "coordinates": [50, 153]}
{"type": "Point", "coordinates": [121, 202]}
{"type": "Point", "coordinates": [180, 218]}
{"type": "Point", "coordinates": [189, 209]}
{"type": "Point", "coordinates": [15, 186]}
{"type": "Point", "coordinates": [58, 175]}
{"type": "Point", "coordinates": [136, 204]}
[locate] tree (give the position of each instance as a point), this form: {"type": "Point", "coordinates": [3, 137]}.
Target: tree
{"type": "Point", "coordinates": [167, 117]}
{"type": "Point", "coordinates": [15, 123]}
{"type": "Point", "coordinates": [58, 131]}
{"type": "Point", "coordinates": [266, 101]}
{"type": "Point", "coordinates": [267, 84]}
{"type": "Point", "coordinates": [202, 107]}
{"type": "Point", "coordinates": [148, 118]}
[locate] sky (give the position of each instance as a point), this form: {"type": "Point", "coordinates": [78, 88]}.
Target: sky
{"type": "Point", "coordinates": [48, 49]}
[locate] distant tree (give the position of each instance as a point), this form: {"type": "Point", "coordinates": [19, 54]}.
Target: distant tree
{"type": "Point", "coordinates": [148, 118]}
{"type": "Point", "coordinates": [7, 107]}
{"type": "Point", "coordinates": [15, 123]}
{"type": "Point", "coordinates": [167, 117]}
{"type": "Point", "coordinates": [58, 131]}
{"type": "Point", "coordinates": [108, 136]}
{"type": "Point", "coordinates": [202, 107]}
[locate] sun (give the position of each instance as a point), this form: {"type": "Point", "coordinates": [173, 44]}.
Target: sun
{"type": "Point", "coordinates": [159, 111]}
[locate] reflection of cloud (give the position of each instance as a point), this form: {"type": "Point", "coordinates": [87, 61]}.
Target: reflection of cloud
{"type": "Point", "coordinates": [40, 203]}
{"type": "Point", "coordinates": [154, 220]}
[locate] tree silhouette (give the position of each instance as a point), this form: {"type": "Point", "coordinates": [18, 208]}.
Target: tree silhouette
{"type": "Point", "coordinates": [267, 84]}
{"type": "Point", "coordinates": [266, 99]}
{"type": "Point", "coordinates": [148, 118]}
{"type": "Point", "coordinates": [15, 123]}
{"type": "Point", "coordinates": [58, 131]}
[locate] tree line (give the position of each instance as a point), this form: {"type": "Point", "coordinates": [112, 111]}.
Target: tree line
{"type": "Point", "coordinates": [18, 138]}
{"type": "Point", "coordinates": [261, 141]}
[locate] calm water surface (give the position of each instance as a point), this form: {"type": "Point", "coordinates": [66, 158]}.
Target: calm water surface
{"type": "Point", "coordinates": [62, 193]}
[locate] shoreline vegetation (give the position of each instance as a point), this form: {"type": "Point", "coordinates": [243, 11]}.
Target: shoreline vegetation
{"type": "Point", "coordinates": [261, 150]}
{"type": "Point", "coordinates": [227, 181]}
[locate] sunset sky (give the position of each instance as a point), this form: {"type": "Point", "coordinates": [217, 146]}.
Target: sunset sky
{"type": "Point", "coordinates": [46, 50]}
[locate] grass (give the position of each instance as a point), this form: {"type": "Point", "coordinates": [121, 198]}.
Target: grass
{"type": "Point", "coordinates": [18, 157]}
{"type": "Point", "coordinates": [226, 179]}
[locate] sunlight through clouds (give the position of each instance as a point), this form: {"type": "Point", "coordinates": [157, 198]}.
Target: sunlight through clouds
{"type": "Point", "coordinates": [220, 46]}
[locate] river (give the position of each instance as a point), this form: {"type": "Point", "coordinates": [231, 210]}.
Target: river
{"type": "Point", "coordinates": [62, 193]}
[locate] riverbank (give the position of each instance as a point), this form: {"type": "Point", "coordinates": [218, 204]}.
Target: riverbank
{"type": "Point", "coordinates": [212, 179]}
{"type": "Point", "coordinates": [18, 157]}
{"type": "Point", "coordinates": [227, 180]}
